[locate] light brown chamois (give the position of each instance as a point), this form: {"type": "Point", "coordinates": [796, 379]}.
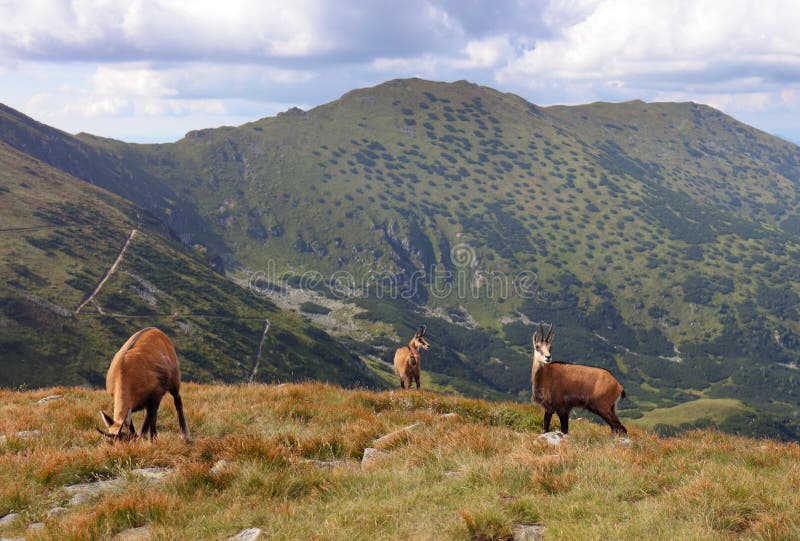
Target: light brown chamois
{"type": "Point", "coordinates": [558, 387]}
{"type": "Point", "coordinates": [143, 370]}
{"type": "Point", "coordinates": [406, 359]}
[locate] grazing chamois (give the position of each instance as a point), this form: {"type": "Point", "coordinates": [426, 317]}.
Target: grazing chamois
{"type": "Point", "coordinates": [558, 387]}
{"type": "Point", "coordinates": [142, 371]}
{"type": "Point", "coordinates": [406, 359]}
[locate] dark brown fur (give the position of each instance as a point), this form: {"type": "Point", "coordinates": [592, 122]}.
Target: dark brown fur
{"type": "Point", "coordinates": [407, 359]}
{"type": "Point", "coordinates": [143, 370]}
{"type": "Point", "coordinates": [560, 387]}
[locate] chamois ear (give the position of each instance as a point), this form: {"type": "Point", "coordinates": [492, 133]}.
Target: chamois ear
{"type": "Point", "coordinates": [106, 419]}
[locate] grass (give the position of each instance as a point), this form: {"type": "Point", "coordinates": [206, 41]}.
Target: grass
{"type": "Point", "coordinates": [714, 409]}
{"type": "Point", "coordinates": [468, 476]}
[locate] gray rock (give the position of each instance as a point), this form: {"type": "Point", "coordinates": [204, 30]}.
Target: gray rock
{"type": "Point", "coordinates": [249, 534]}
{"type": "Point", "coordinates": [8, 519]}
{"type": "Point", "coordinates": [625, 441]}
{"type": "Point", "coordinates": [332, 463]}
{"type": "Point", "coordinates": [135, 534]}
{"type": "Point", "coordinates": [371, 454]}
{"type": "Point", "coordinates": [28, 433]}
{"type": "Point", "coordinates": [55, 511]}
{"type": "Point", "coordinates": [155, 474]}
{"type": "Point", "coordinates": [36, 526]}
{"type": "Point", "coordinates": [86, 491]}
{"type": "Point", "coordinates": [392, 434]}
{"type": "Point", "coordinates": [527, 532]}
{"type": "Point", "coordinates": [220, 466]}
{"type": "Point", "coordinates": [552, 438]}
{"type": "Point", "coordinates": [50, 398]}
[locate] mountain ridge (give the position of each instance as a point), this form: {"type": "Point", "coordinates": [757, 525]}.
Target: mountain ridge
{"type": "Point", "coordinates": [660, 227]}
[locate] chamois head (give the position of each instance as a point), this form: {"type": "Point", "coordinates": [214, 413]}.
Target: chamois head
{"type": "Point", "coordinates": [419, 338]}
{"type": "Point", "coordinates": [118, 431]}
{"type": "Point", "coordinates": [541, 345]}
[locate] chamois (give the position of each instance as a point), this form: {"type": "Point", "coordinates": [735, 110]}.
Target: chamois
{"type": "Point", "coordinates": [559, 387]}
{"type": "Point", "coordinates": [406, 359]}
{"type": "Point", "coordinates": [142, 371]}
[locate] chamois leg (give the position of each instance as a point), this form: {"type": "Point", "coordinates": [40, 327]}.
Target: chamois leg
{"type": "Point", "coordinates": [563, 416]}
{"type": "Point", "coordinates": [149, 426]}
{"type": "Point", "coordinates": [176, 397]}
{"type": "Point", "coordinates": [610, 417]}
{"type": "Point", "coordinates": [416, 379]}
{"type": "Point", "coordinates": [548, 415]}
{"type": "Point", "coordinates": [616, 425]}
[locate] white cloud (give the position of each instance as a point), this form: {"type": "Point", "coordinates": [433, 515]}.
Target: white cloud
{"type": "Point", "coordinates": [639, 39]}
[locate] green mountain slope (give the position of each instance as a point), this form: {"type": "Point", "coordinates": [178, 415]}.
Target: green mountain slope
{"type": "Point", "coordinates": [659, 238]}
{"type": "Point", "coordinates": [58, 239]}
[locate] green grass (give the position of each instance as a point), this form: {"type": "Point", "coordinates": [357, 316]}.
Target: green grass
{"type": "Point", "coordinates": [468, 476]}
{"type": "Point", "coordinates": [715, 410]}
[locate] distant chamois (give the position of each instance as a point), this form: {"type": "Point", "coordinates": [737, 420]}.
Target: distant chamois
{"type": "Point", "coordinates": [560, 387]}
{"type": "Point", "coordinates": [142, 371]}
{"type": "Point", "coordinates": [406, 359]}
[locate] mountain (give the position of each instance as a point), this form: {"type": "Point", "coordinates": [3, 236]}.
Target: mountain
{"type": "Point", "coordinates": [660, 239]}
{"type": "Point", "coordinates": [60, 236]}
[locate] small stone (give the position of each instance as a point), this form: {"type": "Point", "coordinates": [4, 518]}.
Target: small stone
{"type": "Point", "coordinates": [8, 519]}
{"type": "Point", "coordinates": [28, 433]}
{"type": "Point", "coordinates": [625, 441]}
{"type": "Point", "coordinates": [47, 399]}
{"type": "Point", "coordinates": [331, 463]}
{"type": "Point", "coordinates": [371, 454]}
{"type": "Point", "coordinates": [86, 491]}
{"type": "Point", "coordinates": [55, 511]}
{"type": "Point", "coordinates": [156, 474]}
{"type": "Point", "coordinates": [141, 533]}
{"type": "Point", "coordinates": [552, 438]}
{"type": "Point", "coordinates": [249, 534]}
{"type": "Point", "coordinates": [396, 432]}
{"type": "Point", "coordinates": [220, 466]}
{"type": "Point", "coordinates": [36, 526]}
{"type": "Point", "coordinates": [527, 532]}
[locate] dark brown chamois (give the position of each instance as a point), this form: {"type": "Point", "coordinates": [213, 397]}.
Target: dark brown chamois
{"type": "Point", "coordinates": [406, 359]}
{"type": "Point", "coordinates": [143, 370]}
{"type": "Point", "coordinates": [560, 387]}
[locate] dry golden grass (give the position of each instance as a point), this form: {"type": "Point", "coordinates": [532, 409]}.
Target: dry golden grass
{"type": "Point", "coordinates": [465, 476]}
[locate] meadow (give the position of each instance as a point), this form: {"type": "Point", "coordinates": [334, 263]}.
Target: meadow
{"type": "Point", "coordinates": [287, 459]}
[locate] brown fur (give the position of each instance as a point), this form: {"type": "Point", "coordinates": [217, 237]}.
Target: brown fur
{"type": "Point", "coordinates": [407, 359]}
{"type": "Point", "coordinates": [143, 370]}
{"type": "Point", "coordinates": [560, 387]}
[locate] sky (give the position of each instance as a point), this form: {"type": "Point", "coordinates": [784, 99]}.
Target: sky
{"type": "Point", "coordinates": [152, 70]}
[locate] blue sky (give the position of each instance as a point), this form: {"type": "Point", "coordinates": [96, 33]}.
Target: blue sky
{"type": "Point", "coordinates": [151, 70]}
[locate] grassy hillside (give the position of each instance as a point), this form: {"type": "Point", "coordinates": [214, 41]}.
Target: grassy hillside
{"type": "Point", "coordinates": [59, 238]}
{"type": "Point", "coordinates": [661, 239]}
{"type": "Point", "coordinates": [286, 459]}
